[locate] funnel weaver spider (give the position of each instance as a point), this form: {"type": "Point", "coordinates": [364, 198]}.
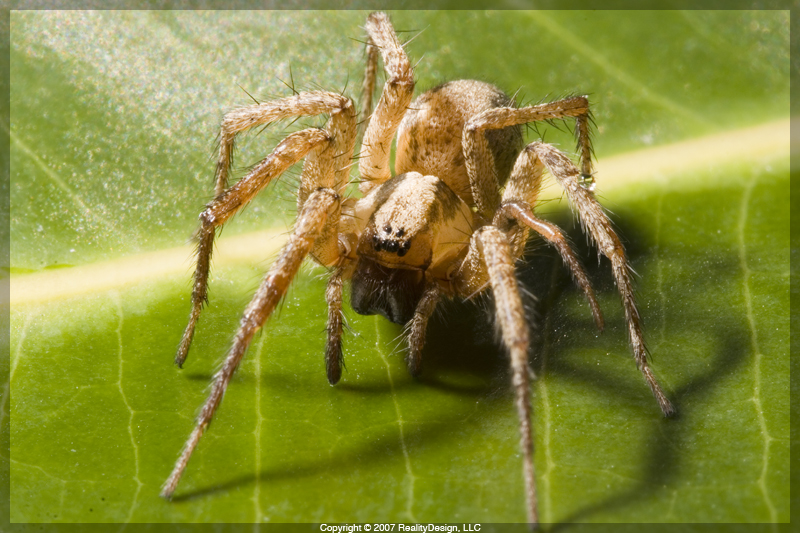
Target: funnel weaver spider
{"type": "Point", "coordinates": [450, 223]}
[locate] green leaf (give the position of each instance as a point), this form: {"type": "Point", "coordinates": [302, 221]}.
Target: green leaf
{"type": "Point", "coordinates": [113, 122]}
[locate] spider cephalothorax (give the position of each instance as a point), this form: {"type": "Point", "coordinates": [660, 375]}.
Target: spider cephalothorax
{"type": "Point", "coordinates": [450, 224]}
{"type": "Point", "coordinates": [416, 227]}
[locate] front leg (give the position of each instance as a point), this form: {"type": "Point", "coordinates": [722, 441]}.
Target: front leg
{"type": "Point", "coordinates": [229, 202]}
{"type": "Point", "coordinates": [493, 247]}
{"type": "Point", "coordinates": [310, 224]}
{"type": "Point", "coordinates": [478, 156]}
{"type": "Point", "coordinates": [397, 93]}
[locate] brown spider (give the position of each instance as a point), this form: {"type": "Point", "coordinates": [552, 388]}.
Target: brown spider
{"type": "Point", "coordinates": [450, 223]}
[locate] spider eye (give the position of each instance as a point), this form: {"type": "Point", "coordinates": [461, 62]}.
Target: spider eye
{"type": "Point", "coordinates": [404, 248]}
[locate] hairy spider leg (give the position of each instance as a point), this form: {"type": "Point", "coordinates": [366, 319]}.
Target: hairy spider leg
{"type": "Point", "coordinates": [519, 197]}
{"type": "Point", "coordinates": [522, 213]}
{"type": "Point", "coordinates": [327, 154]}
{"type": "Point", "coordinates": [368, 85]}
{"type": "Point", "coordinates": [594, 219]}
{"type": "Point", "coordinates": [495, 252]}
{"type": "Point", "coordinates": [395, 99]}
{"type": "Point", "coordinates": [479, 160]}
{"type": "Point", "coordinates": [418, 325]}
{"type": "Point", "coordinates": [334, 358]}
{"type": "Point", "coordinates": [590, 212]}
{"type": "Point", "coordinates": [490, 259]}
{"type": "Point", "coordinates": [311, 220]}
{"type": "Point", "coordinates": [287, 153]}
{"type": "Point", "coordinates": [330, 170]}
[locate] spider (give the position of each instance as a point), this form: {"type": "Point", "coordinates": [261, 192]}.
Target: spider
{"type": "Point", "coordinates": [451, 222]}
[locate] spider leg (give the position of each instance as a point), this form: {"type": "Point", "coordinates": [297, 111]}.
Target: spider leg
{"type": "Point", "coordinates": [594, 219]}
{"type": "Point", "coordinates": [397, 93]}
{"type": "Point", "coordinates": [300, 105]}
{"type": "Point", "coordinates": [311, 220]}
{"type": "Point", "coordinates": [520, 194]}
{"type": "Point", "coordinates": [418, 325]}
{"type": "Point", "coordinates": [325, 169]}
{"type": "Point", "coordinates": [522, 213]}
{"type": "Point", "coordinates": [219, 211]}
{"type": "Point", "coordinates": [368, 87]}
{"type": "Point", "coordinates": [493, 247]}
{"type": "Point", "coordinates": [478, 156]}
{"type": "Point", "coordinates": [484, 185]}
{"type": "Point", "coordinates": [334, 358]}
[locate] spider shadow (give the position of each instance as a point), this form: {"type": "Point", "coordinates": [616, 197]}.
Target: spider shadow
{"type": "Point", "coordinates": [665, 436]}
{"type": "Point", "coordinates": [371, 453]}
{"type": "Point", "coordinates": [461, 353]}
{"type": "Point", "coordinates": [478, 370]}
{"type": "Point", "coordinates": [463, 356]}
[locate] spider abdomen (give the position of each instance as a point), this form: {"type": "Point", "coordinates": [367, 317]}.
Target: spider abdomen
{"type": "Point", "coordinates": [429, 137]}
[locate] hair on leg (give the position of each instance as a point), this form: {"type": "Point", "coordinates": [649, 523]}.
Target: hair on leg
{"type": "Point", "coordinates": [522, 213]}
{"type": "Point", "coordinates": [309, 225]}
{"type": "Point", "coordinates": [334, 358]}
{"type": "Point", "coordinates": [226, 204]}
{"type": "Point", "coordinates": [496, 253]}
{"type": "Point", "coordinates": [397, 93]}
{"type": "Point", "coordinates": [594, 220]}
{"type": "Point", "coordinates": [419, 324]}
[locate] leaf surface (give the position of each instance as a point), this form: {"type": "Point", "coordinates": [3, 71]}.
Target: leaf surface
{"type": "Point", "coordinates": [113, 122]}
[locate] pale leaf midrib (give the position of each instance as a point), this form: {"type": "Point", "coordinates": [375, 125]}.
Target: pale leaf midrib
{"type": "Point", "coordinates": [663, 166]}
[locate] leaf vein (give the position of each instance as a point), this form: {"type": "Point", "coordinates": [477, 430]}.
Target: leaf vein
{"type": "Point", "coordinates": [132, 413]}
{"type": "Point", "coordinates": [259, 514]}
{"type": "Point", "coordinates": [757, 355]}
{"type": "Point", "coordinates": [638, 88]}
{"type": "Point", "coordinates": [400, 422]}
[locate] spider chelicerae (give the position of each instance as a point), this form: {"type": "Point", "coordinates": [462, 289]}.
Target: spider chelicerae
{"type": "Point", "coordinates": [450, 223]}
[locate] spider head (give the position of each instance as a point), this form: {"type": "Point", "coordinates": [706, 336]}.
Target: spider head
{"type": "Point", "coordinates": [394, 250]}
{"type": "Point", "coordinates": [395, 244]}
{"type": "Point", "coordinates": [415, 226]}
